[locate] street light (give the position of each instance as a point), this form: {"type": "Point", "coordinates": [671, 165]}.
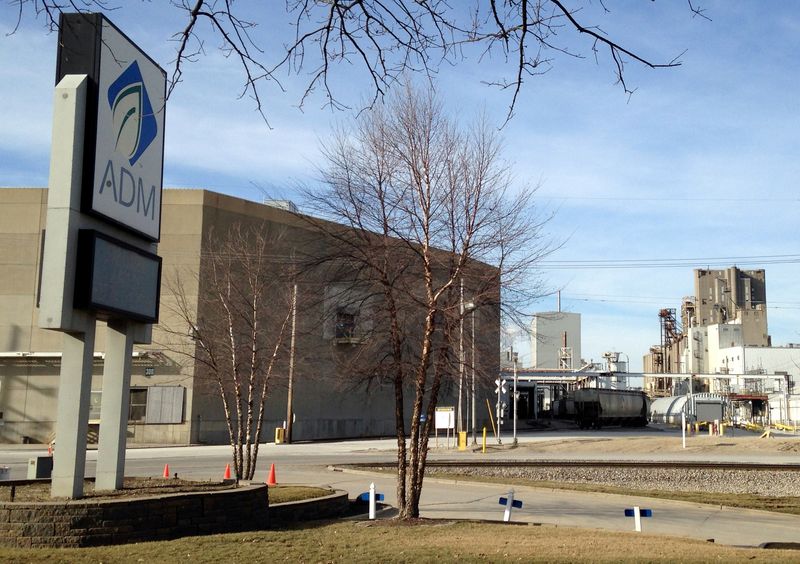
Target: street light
{"type": "Point", "coordinates": [474, 426]}
{"type": "Point", "coordinates": [514, 357]}
{"type": "Point", "coordinates": [464, 308]}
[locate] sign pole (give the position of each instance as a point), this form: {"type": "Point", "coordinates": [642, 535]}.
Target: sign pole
{"type": "Point", "coordinates": [514, 359]}
{"type": "Point", "coordinates": [115, 406]}
{"type": "Point", "coordinates": [372, 501]}
{"type": "Point", "coordinates": [72, 418]}
{"type": "Point", "coordinates": [683, 427]}
{"type": "Point", "coordinates": [509, 506]}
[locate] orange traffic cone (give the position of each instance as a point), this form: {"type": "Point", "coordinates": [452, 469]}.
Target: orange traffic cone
{"type": "Point", "coordinates": [227, 475]}
{"type": "Point", "coordinates": [166, 470]}
{"type": "Point", "coordinates": [271, 480]}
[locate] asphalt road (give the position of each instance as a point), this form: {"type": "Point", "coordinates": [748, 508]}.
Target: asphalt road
{"type": "Point", "coordinates": [310, 463]}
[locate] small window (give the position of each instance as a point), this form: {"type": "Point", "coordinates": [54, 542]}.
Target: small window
{"type": "Point", "coordinates": [345, 325]}
{"type": "Point", "coordinates": [95, 399]}
{"type": "Point", "coordinates": [138, 404]}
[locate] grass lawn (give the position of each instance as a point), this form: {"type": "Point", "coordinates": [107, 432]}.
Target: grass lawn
{"type": "Point", "coordinates": [136, 487]}
{"type": "Point", "coordinates": [282, 494]}
{"type": "Point", "coordinates": [424, 541]}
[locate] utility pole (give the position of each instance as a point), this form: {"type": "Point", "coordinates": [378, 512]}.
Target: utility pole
{"type": "Point", "coordinates": [289, 393]}
{"type": "Point", "coordinates": [514, 360]}
{"type": "Point", "coordinates": [460, 353]}
{"type": "Point", "coordinates": [474, 425]}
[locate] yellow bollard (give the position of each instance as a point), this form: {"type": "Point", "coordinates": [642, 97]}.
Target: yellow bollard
{"type": "Point", "coordinates": [462, 440]}
{"type": "Point", "coordinates": [483, 449]}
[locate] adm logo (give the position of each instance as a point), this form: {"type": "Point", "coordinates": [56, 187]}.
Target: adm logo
{"type": "Point", "coordinates": [134, 128]}
{"type": "Point", "coordinates": [133, 120]}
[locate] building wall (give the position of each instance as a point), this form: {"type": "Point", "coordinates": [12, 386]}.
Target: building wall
{"type": "Point", "coordinates": [695, 355]}
{"type": "Point", "coordinates": [733, 295]}
{"type": "Point", "coordinates": [547, 338]}
{"type": "Point", "coordinates": [327, 402]}
{"type": "Point", "coordinates": [780, 361]}
{"type": "Point", "coordinates": [30, 356]}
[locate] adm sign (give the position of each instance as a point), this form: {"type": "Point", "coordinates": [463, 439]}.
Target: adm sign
{"type": "Point", "coordinates": [103, 222]}
{"type": "Point", "coordinates": [124, 136]}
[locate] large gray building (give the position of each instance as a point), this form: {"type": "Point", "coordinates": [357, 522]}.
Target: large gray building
{"type": "Point", "coordinates": [556, 340]}
{"type": "Point", "coordinates": [172, 399]}
{"type": "Point", "coordinates": [732, 296]}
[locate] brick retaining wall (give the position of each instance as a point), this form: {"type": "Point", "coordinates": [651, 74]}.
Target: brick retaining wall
{"type": "Point", "coordinates": [88, 522]}
{"type": "Point", "coordinates": [93, 522]}
{"type": "Point", "coordinates": [327, 507]}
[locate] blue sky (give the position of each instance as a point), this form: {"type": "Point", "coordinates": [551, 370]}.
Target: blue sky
{"type": "Point", "coordinates": [700, 163]}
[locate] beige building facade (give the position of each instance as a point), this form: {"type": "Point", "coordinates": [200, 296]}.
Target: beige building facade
{"type": "Point", "coordinates": [172, 399]}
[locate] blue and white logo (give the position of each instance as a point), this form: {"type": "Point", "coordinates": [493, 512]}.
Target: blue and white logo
{"type": "Point", "coordinates": [134, 123]}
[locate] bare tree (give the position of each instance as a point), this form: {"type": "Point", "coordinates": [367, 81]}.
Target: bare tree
{"type": "Point", "coordinates": [421, 206]}
{"type": "Point", "coordinates": [237, 325]}
{"type": "Point", "coordinates": [387, 40]}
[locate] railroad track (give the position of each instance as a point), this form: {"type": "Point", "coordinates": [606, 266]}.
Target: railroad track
{"type": "Point", "coordinates": [592, 464]}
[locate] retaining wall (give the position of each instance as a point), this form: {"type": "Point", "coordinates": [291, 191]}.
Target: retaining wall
{"type": "Point", "coordinates": [87, 522]}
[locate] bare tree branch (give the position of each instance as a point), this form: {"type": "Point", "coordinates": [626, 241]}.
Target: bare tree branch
{"type": "Point", "coordinates": [386, 39]}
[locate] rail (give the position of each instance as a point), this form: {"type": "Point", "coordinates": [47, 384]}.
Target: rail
{"type": "Point", "coordinates": [588, 463]}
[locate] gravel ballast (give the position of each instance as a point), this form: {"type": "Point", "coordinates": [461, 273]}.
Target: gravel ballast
{"type": "Point", "coordinates": [773, 483]}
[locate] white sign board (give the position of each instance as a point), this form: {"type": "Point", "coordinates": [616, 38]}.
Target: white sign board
{"type": "Point", "coordinates": [445, 418]}
{"type": "Point", "coordinates": [124, 151]}
{"type": "Point", "coordinates": [130, 136]}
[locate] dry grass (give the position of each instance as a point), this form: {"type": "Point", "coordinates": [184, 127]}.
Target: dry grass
{"type": "Point", "coordinates": [283, 494]}
{"type": "Point", "coordinates": [131, 487]}
{"type": "Point", "coordinates": [425, 541]}
{"type": "Point", "coordinates": [140, 487]}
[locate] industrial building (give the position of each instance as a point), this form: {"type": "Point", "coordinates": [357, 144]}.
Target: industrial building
{"type": "Point", "coordinates": [721, 346]}
{"type": "Point", "coordinates": [172, 401]}
{"type": "Point", "coordinates": [556, 367]}
{"type": "Point", "coordinates": [556, 340]}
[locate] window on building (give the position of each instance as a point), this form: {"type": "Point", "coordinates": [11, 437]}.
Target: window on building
{"type": "Point", "coordinates": [95, 399]}
{"type": "Point", "coordinates": [156, 404]}
{"type": "Point", "coordinates": [138, 405]}
{"type": "Point", "coordinates": [345, 325]}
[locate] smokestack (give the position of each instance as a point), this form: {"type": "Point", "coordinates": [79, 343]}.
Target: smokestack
{"type": "Point", "coordinates": [558, 301]}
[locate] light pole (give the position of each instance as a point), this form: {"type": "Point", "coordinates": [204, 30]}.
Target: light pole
{"type": "Point", "coordinates": [474, 426]}
{"type": "Point", "coordinates": [463, 309]}
{"type": "Point", "coordinates": [290, 391]}
{"type": "Point", "coordinates": [459, 426]}
{"type": "Point", "coordinates": [514, 360]}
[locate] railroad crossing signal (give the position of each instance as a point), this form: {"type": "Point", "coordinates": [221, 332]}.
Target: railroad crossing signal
{"type": "Point", "coordinates": [501, 387]}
